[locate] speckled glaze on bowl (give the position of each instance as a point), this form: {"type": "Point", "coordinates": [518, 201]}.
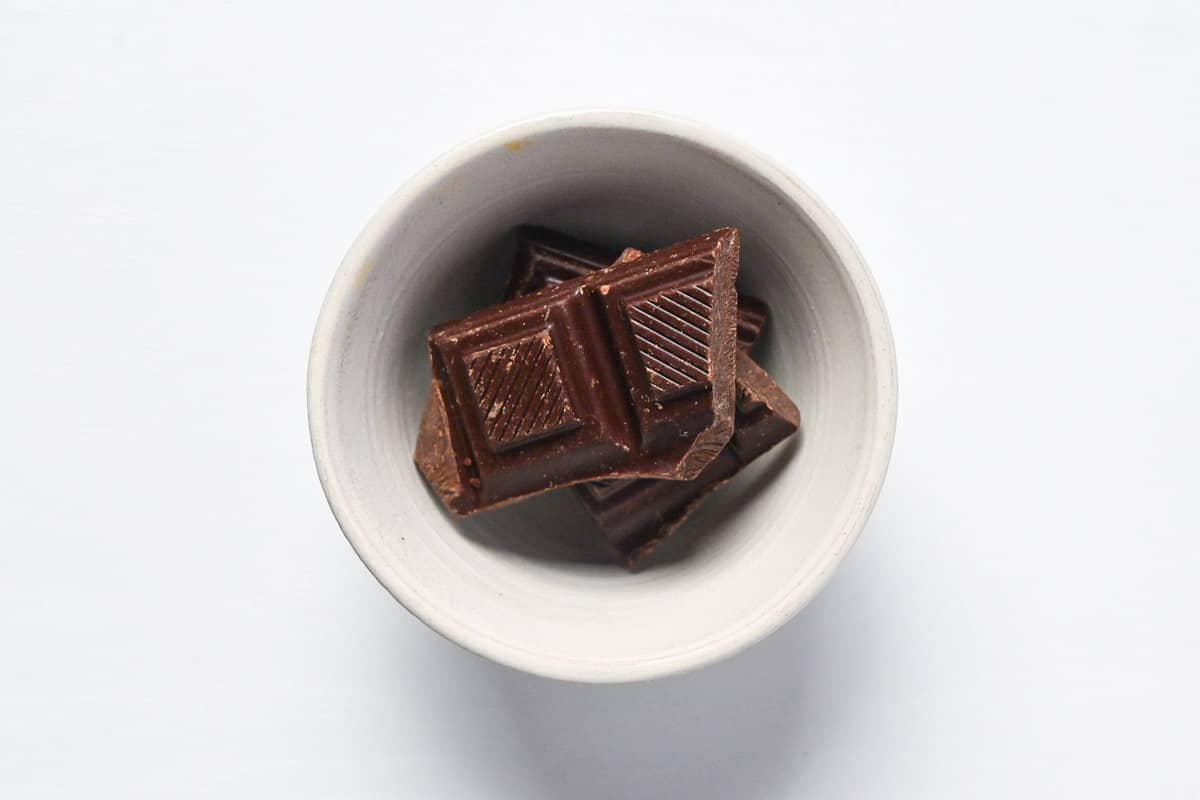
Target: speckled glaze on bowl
{"type": "Point", "coordinates": [531, 586]}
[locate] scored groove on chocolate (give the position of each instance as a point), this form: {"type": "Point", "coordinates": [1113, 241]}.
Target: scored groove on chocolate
{"type": "Point", "coordinates": [672, 331]}
{"type": "Point", "coordinates": [519, 391]}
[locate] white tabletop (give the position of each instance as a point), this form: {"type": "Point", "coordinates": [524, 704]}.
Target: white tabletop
{"type": "Point", "coordinates": [179, 614]}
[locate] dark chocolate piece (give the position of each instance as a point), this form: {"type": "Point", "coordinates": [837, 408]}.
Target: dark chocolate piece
{"type": "Point", "coordinates": [629, 372]}
{"type": "Point", "coordinates": [547, 258]}
{"type": "Point", "coordinates": [636, 515]}
{"type": "Point", "coordinates": [752, 318]}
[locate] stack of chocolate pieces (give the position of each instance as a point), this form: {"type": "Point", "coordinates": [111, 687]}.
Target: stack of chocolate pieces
{"type": "Point", "coordinates": [624, 375]}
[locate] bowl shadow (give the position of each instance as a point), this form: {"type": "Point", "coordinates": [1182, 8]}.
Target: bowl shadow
{"type": "Point", "coordinates": [743, 728]}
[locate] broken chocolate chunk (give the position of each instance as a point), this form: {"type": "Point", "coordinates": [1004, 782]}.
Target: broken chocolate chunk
{"type": "Point", "coordinates": [628, 372]}
{"type": "Point", "coordinates": [635, 516]}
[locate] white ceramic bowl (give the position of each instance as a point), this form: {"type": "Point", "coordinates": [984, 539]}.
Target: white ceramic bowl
{"type": "Point", "coordinates": [530, 586]}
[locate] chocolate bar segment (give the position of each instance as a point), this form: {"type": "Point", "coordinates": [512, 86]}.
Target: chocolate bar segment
{"type": "Point", "coordinates": [628, 372]}
{"type": "Point", "coordinates": [547, 258]}
{"type": "Point", "coordinates": [752, 318]}
{"type": "Point", "coordinates": [635, 516]}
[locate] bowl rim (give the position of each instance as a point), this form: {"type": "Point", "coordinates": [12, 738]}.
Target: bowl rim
{"type": "Point", "coordinates": [806, 586]}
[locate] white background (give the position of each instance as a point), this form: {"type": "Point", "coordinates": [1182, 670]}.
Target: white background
{"type": "Point", "coordinates": [179, 614]}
